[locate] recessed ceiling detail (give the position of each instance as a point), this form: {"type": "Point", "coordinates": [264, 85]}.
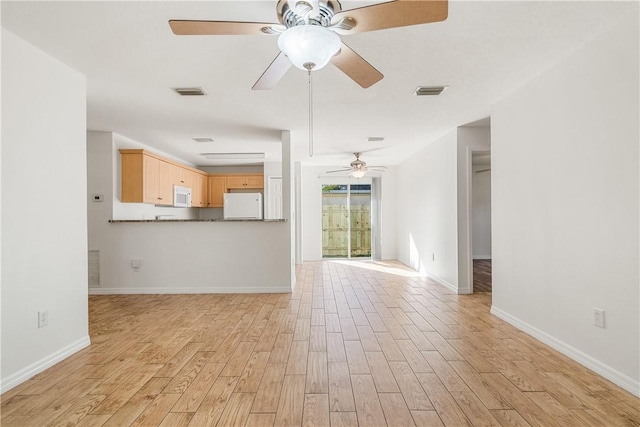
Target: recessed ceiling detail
{"type": "Point", "coordinates": [189, 91]}
{"type": "Point", "coordinates": [233, 156]}
{"type": "Point", "coordinates": [429, 90]}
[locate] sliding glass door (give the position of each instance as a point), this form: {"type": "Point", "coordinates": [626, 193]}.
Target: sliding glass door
{"type": "Point", "coordinates": [346, 221]}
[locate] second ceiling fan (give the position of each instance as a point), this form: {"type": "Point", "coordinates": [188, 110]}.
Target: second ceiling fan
{"type": "Point", "coordinates": [309, 33]}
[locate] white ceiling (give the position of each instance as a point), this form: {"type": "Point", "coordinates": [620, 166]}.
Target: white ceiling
{"type": "Point", "coordinates": [483, 51]}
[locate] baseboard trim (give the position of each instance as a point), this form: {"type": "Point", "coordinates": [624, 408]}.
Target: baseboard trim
{"type": "Point", "coordinates": [481, 257]}
{"type": "Point", "coordinates": [221, 290]}
{"type": "Point", "coordinates": [443, 282]}
{"type": "Point", "coordinates": [606, 371]}
{"type": "Point", "coordinates": [24, 374]}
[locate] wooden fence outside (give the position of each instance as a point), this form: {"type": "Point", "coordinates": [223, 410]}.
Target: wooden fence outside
{"type": "Point", "coordinates": [335, 228]}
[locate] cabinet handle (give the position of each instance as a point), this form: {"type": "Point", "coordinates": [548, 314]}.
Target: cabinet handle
{"type": "Point", "coordinates": [159, 198]}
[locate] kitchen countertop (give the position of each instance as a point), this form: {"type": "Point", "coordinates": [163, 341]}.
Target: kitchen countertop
{"type": "Point", "coordinates": [196, 220]}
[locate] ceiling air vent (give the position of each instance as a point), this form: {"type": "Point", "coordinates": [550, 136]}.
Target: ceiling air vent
{"type": "Point", "coordinates": [375, 139]}
{"type": "Point", "coordinates": [429, 90]}
{"type": "Point", "coordinates": [203, 139]}
{"type": "Point", "coordinates": [189, 91]}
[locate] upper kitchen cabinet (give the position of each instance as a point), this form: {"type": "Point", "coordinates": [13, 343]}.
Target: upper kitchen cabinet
{"type": "Point", "coordinates": [252, 181]}
{"type": "Point", "coordinates": [145, 179]}
{"type": "Point", "coordinates": [198, 184]}
{"type": "Point", "coordinates": [217, 188]}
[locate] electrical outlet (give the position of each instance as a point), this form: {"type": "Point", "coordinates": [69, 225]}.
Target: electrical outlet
{"type": "Point", "coordinates": [598, 317]}
{"type": "Point", "coordinates": [43, 319]}
{"type": "Point", "coordinates": [136, 264]}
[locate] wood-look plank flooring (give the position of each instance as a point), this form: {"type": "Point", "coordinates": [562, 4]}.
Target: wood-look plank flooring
{"type": "Point", "coordinates": [481, 275]}
{"type": "Point", "coordinates": [364, 344]}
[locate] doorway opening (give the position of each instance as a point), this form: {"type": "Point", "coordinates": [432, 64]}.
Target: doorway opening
{"type": "Point", "coordinates": [346, 221]}
{"type": "Point", "coordinates": [481, 220]}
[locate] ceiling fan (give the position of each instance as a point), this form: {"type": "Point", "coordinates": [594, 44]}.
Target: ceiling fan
{"type": "Point", "coordinates": [309, 33]}
{"type": "Point", "coordinates": [358, 168]}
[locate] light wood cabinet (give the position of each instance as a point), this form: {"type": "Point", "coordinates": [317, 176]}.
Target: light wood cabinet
{"type": "Point", "coordinates": [165, 186]}
{"type": "Point", "coordinates": [145, 179]}
{"type": "Point", "coordinates": [217, 188]}
{"type": "Point", "coordinates": [198, 184]}
{"type": "Point", "coordinates": [245, 181]}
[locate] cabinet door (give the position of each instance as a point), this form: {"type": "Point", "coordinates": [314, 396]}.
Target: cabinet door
{"type": "Point", "coordinates": [150, 179]}
{"type": "Point", "coordinates": [217, 188]}
{"type": "Point", "coordinates": [236, 181]}
{"type": "Point", "coordinates": [179, 176]}
{"type": "Point", "coordinates": [204, 190]}
{"type": "Point", "coordinates": [254, 181]}
{"type": "Point", "coordinates": [165, 184]}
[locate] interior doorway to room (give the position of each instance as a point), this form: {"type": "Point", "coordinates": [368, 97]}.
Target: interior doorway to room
{"type": "Point", "coordinates": [346, 221]}
{"type": "Point", "coordinates": [481, 221]}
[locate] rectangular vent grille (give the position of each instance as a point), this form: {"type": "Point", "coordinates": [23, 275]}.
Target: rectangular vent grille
{"type": "Point", "coordinates": [94, 268]}
{"type": "Point", "coordinates": [189, 91]}
{"type": "Point", "coordinates": [375, 138]}
{"type": "Point", "coordinates": [203, 139]}
{"type": "Point", "coordinates": [429, 90]}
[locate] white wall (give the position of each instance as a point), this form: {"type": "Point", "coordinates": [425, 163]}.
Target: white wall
{"type": "Point", "coordinates": [44, 219]}
{"type": "Point", "coordinates": [426, 189]}
{"type": "Point", "coordinates": [388, 237]}
{"type": "Point", "coordinates": [470, 139]}
{"type": "Point", "coordinates": [194, 257]}
{"type": "Point", "coordinates": [566, 205]}
{"type": "Point", "coordinates": [481, 212]}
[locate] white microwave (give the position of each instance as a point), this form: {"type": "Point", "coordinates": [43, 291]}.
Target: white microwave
{"type": "Point", "coordinates": [181, 197]}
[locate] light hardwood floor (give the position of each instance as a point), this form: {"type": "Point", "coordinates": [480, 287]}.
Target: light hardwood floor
{"type": "Point", "coordinates": [356, 344]}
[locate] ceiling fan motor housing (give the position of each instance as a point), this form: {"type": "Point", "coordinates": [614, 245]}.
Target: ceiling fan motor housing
{"type": "Point", "coordinates": [300, 14]}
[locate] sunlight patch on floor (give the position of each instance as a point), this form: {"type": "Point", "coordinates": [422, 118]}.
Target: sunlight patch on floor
{"type": "Point", "coordinates": [394, 268]}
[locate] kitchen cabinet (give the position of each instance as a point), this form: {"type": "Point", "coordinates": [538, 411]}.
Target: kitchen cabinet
{"type": "Point", "coordinates": [199, 191]}
{"type": "Point", "coordinates": [255, 181]}
{"type": "Point", "coordinates": [217, 188]}
{"type": "Point", "coordinates": [145, 179]}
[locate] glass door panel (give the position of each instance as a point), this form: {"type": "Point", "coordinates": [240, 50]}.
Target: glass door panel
{"type": "Point", "coordinates": [360, 214]}
{"type": "Point", "coordinates": [335, 226]}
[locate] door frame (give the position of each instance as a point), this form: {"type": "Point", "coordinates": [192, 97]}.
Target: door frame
{"type": "Point", "coordinates": [469, 225]}
{"type": "Point", "coordinates": [349, 182]}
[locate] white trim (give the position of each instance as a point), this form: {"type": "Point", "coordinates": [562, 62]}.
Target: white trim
{"type": "Point", "coordinates": [482, 257]}
{"type": "Point", "coordinates": [24, 374]}
{"type": "Point", "coordinates": [221, 290]}
{"type": "Point", "coordinates": [613, 375]}
{"type": "Point", "coordinates": [442, 282]}
{"type": "Point", "coordinates": [468, 226]}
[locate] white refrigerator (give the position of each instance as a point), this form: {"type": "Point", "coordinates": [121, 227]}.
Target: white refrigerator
{"type": "Point", "coordinates": [242, 206]}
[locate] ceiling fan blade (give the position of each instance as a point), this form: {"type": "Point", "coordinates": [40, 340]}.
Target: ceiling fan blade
{"type": "Point", "coordinates": [200, 28]}
{"type": "Point", "coordinates": [399, 13]}
{"type": "Point", "coordinates": [339, 170]}
{"type": "Point", "coordinates": [274, 72]}
{"type": "Point", "coordinates": [355, 66]}
{"type": "Point", "coordinates": [377, 168]}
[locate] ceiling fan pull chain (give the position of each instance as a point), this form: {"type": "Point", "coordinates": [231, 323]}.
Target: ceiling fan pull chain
{"type": "Point", "coordinates": [310, 116]}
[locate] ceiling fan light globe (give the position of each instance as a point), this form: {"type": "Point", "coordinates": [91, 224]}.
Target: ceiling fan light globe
{"type": "Point", "coordinates": [309, 44]}
{"type": "Point", "coordinates": [358, 173]}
